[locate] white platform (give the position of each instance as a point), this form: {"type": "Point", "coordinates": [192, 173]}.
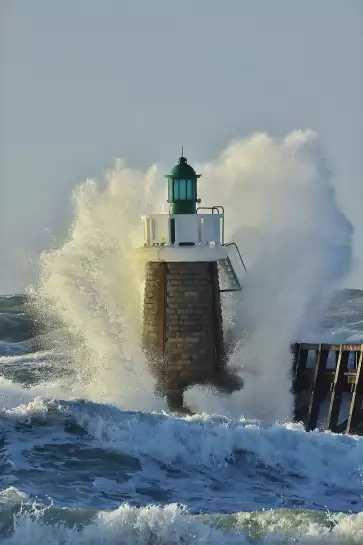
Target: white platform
{"type": "Point", "coordinates": [182, 253]}
{"type": "Point", "coordinates": [183, 237]}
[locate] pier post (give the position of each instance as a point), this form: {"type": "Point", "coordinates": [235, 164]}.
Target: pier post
{"type": "Point", "coordinates": [319, 389]}
{"type": "Point", "coordinates": [342, 358]}
{"type": "Point", "coordinates": [355, 413]}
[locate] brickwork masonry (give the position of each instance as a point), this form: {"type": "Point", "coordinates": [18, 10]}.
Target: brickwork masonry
{"type": "Point", "coordinates": [183, 330]}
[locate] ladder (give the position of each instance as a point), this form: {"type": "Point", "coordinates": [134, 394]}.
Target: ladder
{"type": "Point", "coordinates": [228, 276]}
{"type": "Point", "coordinates": [227, 272]}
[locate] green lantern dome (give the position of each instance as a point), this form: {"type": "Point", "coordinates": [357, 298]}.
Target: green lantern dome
{"type": "Point", "coordinates": [183, 171]}
{"type": "Point", "coordinates": [182, 188]}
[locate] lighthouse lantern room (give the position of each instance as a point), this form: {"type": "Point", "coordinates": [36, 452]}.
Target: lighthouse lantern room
{"type": "Point", "coordinates": [182, 188]}
{"type": "Point", "coordinates": [196, 232]}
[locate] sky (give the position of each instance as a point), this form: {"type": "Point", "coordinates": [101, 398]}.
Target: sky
{"type": "Point", "coordinates": [86, 81]}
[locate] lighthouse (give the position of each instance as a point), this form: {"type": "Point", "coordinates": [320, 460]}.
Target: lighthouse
{"type": "Point", "coordinates": [188, 265]}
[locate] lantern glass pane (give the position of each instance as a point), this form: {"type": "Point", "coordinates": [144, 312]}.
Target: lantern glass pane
{"type": "Point", "coordinates": [176, 190]}
{"type": "Point", "coordinates": [182, 190]}
{"type": "Point", "coordinates": [190, 190]}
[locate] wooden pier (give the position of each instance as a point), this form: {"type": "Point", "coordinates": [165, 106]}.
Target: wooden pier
{"type": "Point", "coordinates": [329, 377]}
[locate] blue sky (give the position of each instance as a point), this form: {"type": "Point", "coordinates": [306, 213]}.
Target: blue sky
{"type": "Point", "coordinates": [84, 81]}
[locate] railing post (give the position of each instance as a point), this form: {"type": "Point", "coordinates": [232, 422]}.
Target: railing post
{"type": "Point", "coordinates": [357, 398]}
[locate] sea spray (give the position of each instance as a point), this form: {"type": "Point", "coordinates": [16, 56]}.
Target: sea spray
{"type": "Point", "coordinates": [93, 285]}
{"type": "Point", "coordinates": [282, 212]}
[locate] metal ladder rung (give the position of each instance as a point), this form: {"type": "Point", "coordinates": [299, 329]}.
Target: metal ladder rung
{"type": "Point", "coordinates": [227, 268]}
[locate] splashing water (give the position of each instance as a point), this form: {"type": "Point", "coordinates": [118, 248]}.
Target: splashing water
{"type": "Point", "coordinates": [282, 212]}
{"type": "Point", "coordinates": [92, 284]}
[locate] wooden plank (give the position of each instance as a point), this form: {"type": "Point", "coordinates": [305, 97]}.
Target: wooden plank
{"type": "Point", "coordinates": [161, 304]}
{"type": "Point", "coordinates": [300, 358]}
{"type": "Point", "coordinates": [333, 347]}
{"type": "Point", "coordinates": [318, 390]}
{"type": "Point", "coordinates": [309, 346]}
{"type": "Point", "coordinates": [356, 360]}
{"type": "Point", "coordinates": [337, 389]}
{"type": "Point", "coordinates": [357, 398]}
{"type": "Point", "coordinates": [306, 379]}
{"type": "Point", "coordinates": [295, 349]}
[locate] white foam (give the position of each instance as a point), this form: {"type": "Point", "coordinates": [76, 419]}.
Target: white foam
{"type": "Point", "coordinates": [204, 440]}
{"type": "Point", "coordinates": [14, 396]}
{"type": "Point", "coordinates": [172, 525]}
{"type": "Point", "coordinates": [281, 210]}
{"type": "Point", "coordinates": [212, 441]}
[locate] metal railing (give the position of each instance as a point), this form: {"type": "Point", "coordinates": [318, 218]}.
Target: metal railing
{"type": "Point", "coordinates": [217, 209]}
{"type": "Point", "coordinates": [183, 229]}
{"type": "Point", "coordinates": [239, 253]}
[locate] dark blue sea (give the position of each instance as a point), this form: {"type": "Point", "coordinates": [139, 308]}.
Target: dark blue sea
{"type": "Point", "coordinates": [74, 470]}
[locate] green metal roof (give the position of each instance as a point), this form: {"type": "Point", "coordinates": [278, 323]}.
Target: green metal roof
{"type": "Point", "coordinates": [183, 171]}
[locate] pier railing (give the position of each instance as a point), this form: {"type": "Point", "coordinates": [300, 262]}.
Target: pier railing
{"type": "Point", "coordinates": [328, 385]}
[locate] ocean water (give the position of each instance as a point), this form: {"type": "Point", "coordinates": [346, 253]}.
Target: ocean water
{"type": "Point", "coordinates": [89, 453]}
{"type": "Point", "coordinates": [76, 471]}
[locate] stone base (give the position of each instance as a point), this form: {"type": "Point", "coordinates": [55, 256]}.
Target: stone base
{"type": "Point", "coordinates": [183, 334]}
